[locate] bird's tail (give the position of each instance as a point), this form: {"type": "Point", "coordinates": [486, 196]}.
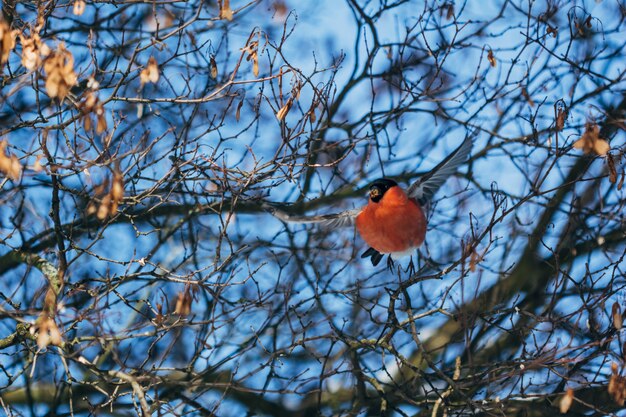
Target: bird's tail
{"type": "Point", "coordinates": [374, 255]}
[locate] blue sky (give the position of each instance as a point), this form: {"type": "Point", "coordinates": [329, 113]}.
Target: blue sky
{"type": "Point", "coordinates": [325, 269]}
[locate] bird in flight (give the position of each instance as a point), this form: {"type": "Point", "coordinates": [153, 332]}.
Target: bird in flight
{"type": "Point", "coordinates": [393, 221]}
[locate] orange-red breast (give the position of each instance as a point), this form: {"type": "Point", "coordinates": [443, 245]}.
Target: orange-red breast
{"type": "Point", "coordinates": [393, 221]}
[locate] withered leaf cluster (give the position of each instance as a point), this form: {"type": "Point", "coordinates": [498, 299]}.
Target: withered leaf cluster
{"type": "Point", "coordinates": [150, 74]}
{"type": "Point", "coordinates": [34, 50]}
{"type": "Point", "coordinates": [591, 142]}
{"type": "Point", "coordinates": [58, 65]}
{"type": "Point", "coordinates": [92, 106]}
{"type": "Point", "coordinates": [48, 332]}
{"type": "Point", "coordinates": [60, 75]}
{"type": "Point", "coordinates": [107, 200]}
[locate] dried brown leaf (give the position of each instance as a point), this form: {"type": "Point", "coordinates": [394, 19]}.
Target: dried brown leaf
{"type": "Point", "coordinates": [87, 123]}
{"type": "Point", "coordinates": [183, 303]}
{"type": "Point", "coordinates": [225, 10]}
{"type": "Point", "coordinates": [527, 97]}
{"type": "Point", "coordinates": [238, 112]}
{"type": "Point", "coordinates": [280, 115]}
{"type": "Point", "coordinates": [105, 207]}
{"type": "Point", "coordinates": [297, 87]}
{"type": "Point", "coordinates": [491, 58]}
{"type": "Point", "coordinates": [552, 31]}
{"type": "Point", "coordinates": [612, 171]}
{"type": "Point", "coordinates": [117, 188]}
{"type": "Point", "coordinates": [252, 49]}
{"type": "Point", "coordinates": [566, 401]}
{"type": "Point", "coordinates": [474, 260]}
{"type": "Point", "coordinates": [450, 14]}
{"type": "Point", "coordinates": [448, 8]}
{"type": "Point", "coordinates": [79, 7]}
{"type": "Point", "coordinates": [160, 318]}
{"type": "Point", "coordinates": [109, 198]}
{"type": "Point", "coordinates": [560, 119]}
{"type": "Point", "coordinates": [37, 167]}
{"type": "Point", "coordinates": [7, 41]}
{"type": "Point", "coordinates": [601, 147]}
{"type": "Point", "coordinates": [611, 388]}
{"type": "Point", "coordinates": [9, 164]}
{"type": "Point", "coordinates": [192, 38]}
{"type": "Point", "coordinates": [617, 386]}
{"type": "Point", "coordinates": [101, 126]}
{"type": "Point", "coordinates": [579, 29]}
{"type": "Point", "coordinates": [92, 106]}
{"type": "Point", "coordinates": [616, 313]}
{"type": "Point", "coordinates": [280, 9]}
{"type": "Point", "coordinates": [213, 66]}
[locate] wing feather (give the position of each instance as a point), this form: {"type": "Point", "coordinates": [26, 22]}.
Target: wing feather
{"type": "Point", "coordinates": [341, 219]}
{"type": "Point", "coordinates": [427, 185]}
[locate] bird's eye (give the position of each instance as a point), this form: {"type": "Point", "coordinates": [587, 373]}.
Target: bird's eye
{"type": "Point", "coordinates": [374, 192]}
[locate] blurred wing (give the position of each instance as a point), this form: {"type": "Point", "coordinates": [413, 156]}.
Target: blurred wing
{"type": "Point", "coordinates": [424, 188]}
{"type": "Point", "coordinates": [342, 219]}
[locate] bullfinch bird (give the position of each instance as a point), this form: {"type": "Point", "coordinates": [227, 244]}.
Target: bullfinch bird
{"type": "Point", "coordinates": [393, 221]}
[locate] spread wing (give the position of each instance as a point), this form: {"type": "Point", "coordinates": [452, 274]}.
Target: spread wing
{"type": "Point", "coordinates": [342, 219]}
{"type": "Point", "coordinates": [426, 186]}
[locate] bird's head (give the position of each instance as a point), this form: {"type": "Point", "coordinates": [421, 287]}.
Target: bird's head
{"type": "Point", "coordinates": [379, 187]}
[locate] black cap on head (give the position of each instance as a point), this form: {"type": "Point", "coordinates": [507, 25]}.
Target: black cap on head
{"type": "Point", "coordinates": [379, 187]}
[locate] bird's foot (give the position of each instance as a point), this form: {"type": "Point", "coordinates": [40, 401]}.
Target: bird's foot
{"type": "Point", "coordinates": [390, 263]}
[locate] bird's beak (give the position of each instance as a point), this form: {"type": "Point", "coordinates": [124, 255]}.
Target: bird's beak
{"type": "Point", "coordinates": [374, 192]}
